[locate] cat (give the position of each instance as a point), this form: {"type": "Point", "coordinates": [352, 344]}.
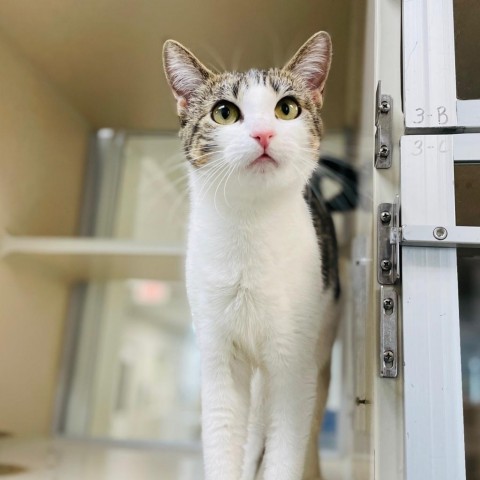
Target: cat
{"type": "Point", "coordinates": [261, 264]}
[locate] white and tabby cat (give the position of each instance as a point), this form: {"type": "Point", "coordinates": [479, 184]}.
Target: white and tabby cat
{"type": "Point", "coordinates": [262, 263]}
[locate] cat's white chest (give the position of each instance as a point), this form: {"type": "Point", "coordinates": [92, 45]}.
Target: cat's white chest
{"type": "Point", "coordinates": [231, 284]}
{"type": "Point", "coordinates": [250, 284]}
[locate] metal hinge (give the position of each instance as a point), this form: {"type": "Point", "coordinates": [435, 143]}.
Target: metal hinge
{"type": "Point", "coordinates": [383, 136]}
{"type": "Point", "coordinates": [388, 332]}
{"type": "Point", "coordinates": [388, 248]}
{"type": "Point", "coordinates": [388, 273]}
{"type": "Point", "coordinates": [391, 235]}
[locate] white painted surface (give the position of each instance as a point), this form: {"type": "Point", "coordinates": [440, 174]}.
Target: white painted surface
{"type": "Point", "coordinates": [468, 113]}
{"type": "Point", "coordinates": [423, 235]}
{"type": "Point", "coordinates": [82, 246]}
{"type": "Point", "coordinates": [431, 337]}
{"type": "Point", "coordinates": [387, 401]}
{"type": "Point", "coordinates": [466, 147]}
{"type": "Point", "coordinates": [49, 459]}
{"type": "Point", "coordinates": [79, 258]}
{"type": "Point", "coordinates": [429, 64]}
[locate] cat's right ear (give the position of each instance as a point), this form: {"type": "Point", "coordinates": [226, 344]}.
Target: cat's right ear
{"type": "Point", "coordinates": [185, 73]}
{"type": "Point", "coordinates": [312, 62]}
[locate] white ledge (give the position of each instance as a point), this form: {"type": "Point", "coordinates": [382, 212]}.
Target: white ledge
{"type": "Point", "coordinates": [90, 258]}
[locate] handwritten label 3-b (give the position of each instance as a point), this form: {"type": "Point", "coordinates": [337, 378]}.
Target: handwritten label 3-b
{"type": "Point", "coordinates": [440, 114]}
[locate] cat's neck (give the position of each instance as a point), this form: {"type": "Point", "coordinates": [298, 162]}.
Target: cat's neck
{"type": "Point", "coordinates": [248, 209]}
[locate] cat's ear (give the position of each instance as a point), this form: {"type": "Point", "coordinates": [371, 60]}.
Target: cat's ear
{"type": "Point", "coordinates": [185, 73]}
{"type": "Point", "coordinates": [312, 62]}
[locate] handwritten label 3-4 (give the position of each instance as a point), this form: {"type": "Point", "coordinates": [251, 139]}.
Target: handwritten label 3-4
{"type": "Point", "coordinates": [419, 146]}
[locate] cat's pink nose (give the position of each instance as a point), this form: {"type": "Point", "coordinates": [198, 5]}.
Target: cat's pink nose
{"type": "Point", "coordinates": [263, 137]}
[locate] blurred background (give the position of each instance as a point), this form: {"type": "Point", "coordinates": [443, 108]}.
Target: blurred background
{"type": "Point", "coordinates": [96, 341]}
{"type": "Point", "coordinates": [96, 331]}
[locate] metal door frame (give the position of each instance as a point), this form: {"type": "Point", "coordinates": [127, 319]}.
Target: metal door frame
{"type": "Point", "coordinates": [429, 76]}
{"type": "Point", "coordinates": [433, 403]}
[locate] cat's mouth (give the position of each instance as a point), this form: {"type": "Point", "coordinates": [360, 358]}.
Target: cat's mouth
{"type": "Point", "coordinates": [263, 160]}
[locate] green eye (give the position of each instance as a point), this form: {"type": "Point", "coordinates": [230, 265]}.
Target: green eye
{"type": "Point", "coordinates": [287, 109]}
{"type": "Point", "coordinates": [225, 113]}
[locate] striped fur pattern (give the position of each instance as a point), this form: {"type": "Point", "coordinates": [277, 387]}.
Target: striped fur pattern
{"type": "Point", "coordinates": [325, 230]}
{"type": "Point", "coordinates": [263, 295]}
{"type": "Point", "coordinates": [198, 131]}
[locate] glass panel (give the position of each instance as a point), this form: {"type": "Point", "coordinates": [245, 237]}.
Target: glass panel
{"type": "Point", "coordinates": [467, 195]}
{"type": "Point", "coordinates": [467, 205]}
{"type": "Point", "coordinates": [467, 39]}
{"type": "Point", "coordinates": [469, 296]}
{"type": "Point", "coordinates": [144, 380]}
{"type": "Point", "coordinates": [136, 370]}
{"type": "Point", "coordinates": [140, 186]}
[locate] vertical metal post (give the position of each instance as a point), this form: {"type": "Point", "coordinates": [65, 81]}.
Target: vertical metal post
{"type": "Point", "coordinates": [431, 334]}
{"type": "Point", "coordinates": [429, 79]}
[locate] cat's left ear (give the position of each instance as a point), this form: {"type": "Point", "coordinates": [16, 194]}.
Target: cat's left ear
{"type": "Point", "coordinates": [312, 62]}
{"type": "Point", "coordinates": [185, 73]}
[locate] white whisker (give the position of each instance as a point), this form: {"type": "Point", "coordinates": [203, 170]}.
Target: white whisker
{"type": "Point", "coordinates": [213, 179]}
{"type": "Point", "coordinates": [210, 164]}
{"type": "Point", "coordinates": [216, 190]}
{"type": "Point", "coordinates": [207, 177]}
{"type": "Point", "coordinates": [225, 186]}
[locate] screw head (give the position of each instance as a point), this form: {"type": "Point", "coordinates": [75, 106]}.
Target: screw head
{"type": "Point", "coordinates": [388, 358]}
{"type": "Point", "coordinates": [384, 107]}
{"type": "Point", "coordinates": [384, 151]}
{"type": "Point", "coordinates": [386, 265]}
{"type": "Point", "coordinates": [440, 233]}
{"type": "Point", "coordinates": [388, 305]}
{"type": "Point", "coordinates": [385, 217]}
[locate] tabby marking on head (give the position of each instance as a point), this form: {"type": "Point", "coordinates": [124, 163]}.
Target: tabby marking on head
{"type": "Point", "coordinates": [198, 89]}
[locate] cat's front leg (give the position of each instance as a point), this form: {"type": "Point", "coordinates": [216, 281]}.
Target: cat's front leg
{"type": "Point", "coordinates": [312, 465]}
{"type": "Point", "coordinates": [225, 398]}
{"type": "Point", "coordinates": [292, 398]}
{"type": "Point", "coordinates": [255, 443]}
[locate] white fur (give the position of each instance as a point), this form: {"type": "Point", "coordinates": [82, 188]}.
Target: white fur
{"type": "Point", "coordinates": [255, 289]}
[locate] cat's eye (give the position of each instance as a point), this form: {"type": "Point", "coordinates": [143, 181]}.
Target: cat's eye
{"type": "Point", "coordinates": [287, 109]}
{"type": "Point", "coordinates": [225, 113]}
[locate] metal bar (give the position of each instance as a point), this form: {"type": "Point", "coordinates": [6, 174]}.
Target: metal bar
{"type": "Point", "coordinates": [440, 236]}
{"type": "Point", "coordinates": [429, 79]}
{"type": "Point", "coordinates": [386, 265]}
{"type": "Point", "coordinates": [468, 114]}
{"type": "Point", "coordinates": [434, 447]}
{"type": "Point", "coordinates": [388, 332]}
{"type": "Point", "coordinates": [383, 136]}
{"type": "Point", "coordinates": [466, 147]}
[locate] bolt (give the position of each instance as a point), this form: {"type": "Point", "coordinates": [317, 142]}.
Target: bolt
{"type": "Point", "coordinates": [388, 358]}
{"type": "Point", "coordinates": [385, 217]}
{"type": "Point", "coordinates": [388, 305]}
{"type": "Point", "coordinates": [384, 107]}
{"type": "Point", "coordinates": [384, 151]}
{"type": "Point", "coordinates": [386, 265]}
{"type": "Point", "coordinates": [440, 233]}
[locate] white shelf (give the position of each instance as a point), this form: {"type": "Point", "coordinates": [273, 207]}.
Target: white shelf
{"type": "Point", "coordinates": [82, 459]}
{"type": "Point", "coordinates": [84, 258]}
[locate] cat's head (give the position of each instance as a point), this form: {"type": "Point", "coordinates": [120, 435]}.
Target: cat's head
{"type": "Point", "coordinates": [252, 132]}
